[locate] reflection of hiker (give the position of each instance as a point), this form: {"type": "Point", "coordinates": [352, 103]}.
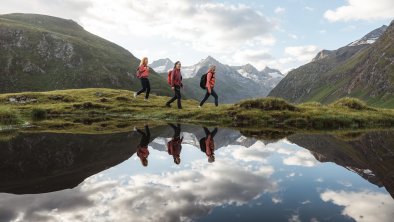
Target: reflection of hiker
{"type": "Point", "coordinates": [174, 146]}
{"type": "Point", "coordinates": [143, 74]}
{"type": "Point", "coordinates": [207, 144]}
{"type": "Point", "coordinates": [175, 81]}
{"type": "Point", "coordinates": [209, 85]}
{"type": "Point", "coordinates": [143, 151]}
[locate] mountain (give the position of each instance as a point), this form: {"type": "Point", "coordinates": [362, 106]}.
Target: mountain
{"type": "Point", "coordinates": [40, 53]}
{"type": "Point", "coordinates": [363, 69]}
{"type": "Point", "coordinates": [370, 154]}
{"type": "Point", "coordinates": [242, 81]}
{"type": "Point", "coordinates": [162, 65]}
{"type": "Point", "coordinates": [267, 78]}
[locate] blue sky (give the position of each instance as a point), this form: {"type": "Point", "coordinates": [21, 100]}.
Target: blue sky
{"type": "Point", "coordinates": [280, 34]}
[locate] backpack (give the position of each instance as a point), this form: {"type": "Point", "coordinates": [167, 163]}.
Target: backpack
{"type": "Point", "coordinates": [169, 78]}
{"type": "Point", "coordinates": [203, 146]}
{"type": "Point", "coordinates": [203, 81]}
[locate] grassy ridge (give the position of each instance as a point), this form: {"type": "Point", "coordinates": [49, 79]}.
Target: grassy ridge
{"type": "Point", "coordinates": [69, 108]}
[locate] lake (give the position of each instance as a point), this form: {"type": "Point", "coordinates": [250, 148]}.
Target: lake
{"type": "Point", "coordinates": [191, 173]}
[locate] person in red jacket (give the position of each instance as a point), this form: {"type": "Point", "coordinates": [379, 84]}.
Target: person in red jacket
{"type": "Point", "coordinates": [211, 79]}
{"type": "Point", "coordinates": [143, 74]}
{"type": "Point", "coordinates": [142, 148]}
{"type": "Point", "coordinates": [174, 146]}
{"type": "Point", "coordinates": [207, 144]}
{"type": "Point", "coordinates": [176, 85]}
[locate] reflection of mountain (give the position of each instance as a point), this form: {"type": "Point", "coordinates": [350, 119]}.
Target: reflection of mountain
{"type": "Point", "coordinates": [370, 155]}
{"type": "Point", "coordinates": [46, 162]}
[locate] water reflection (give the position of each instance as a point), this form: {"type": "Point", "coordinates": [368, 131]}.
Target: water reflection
{"type": "Point", "coordinates": [332, 178]}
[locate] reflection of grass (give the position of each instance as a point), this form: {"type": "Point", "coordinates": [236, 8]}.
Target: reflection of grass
{"type": "Point", "coordinates": [107, 109]}
{"type": "Point", "coordinates": [9, 116]}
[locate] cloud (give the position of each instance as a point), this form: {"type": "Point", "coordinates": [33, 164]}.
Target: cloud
{"type": "Point", "coordinates": [302, 53]}
{"type": "Point", "coordinates": [171, 196]}
{"type": "Point", "coordinates": [362, 206]}
{"type": "Point", "coordinates": [301, 158]}
{"type": "Point", "coordinates": [205, 25]}
{"type": "Point", "coordinates": [309, 8]}
{"type": "Point", "coordinates": [280, 10]}
{"type": "Point", "coordinates": [362, 10]}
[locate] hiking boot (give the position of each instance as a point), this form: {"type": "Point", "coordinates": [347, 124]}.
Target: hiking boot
{"type": "Point", "coordinates": [168, 105]}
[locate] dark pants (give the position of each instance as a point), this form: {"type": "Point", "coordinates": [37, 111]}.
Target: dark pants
{"type": "Point", "coordinates": [213, 133]}
{"type": "Point", "coordinates": [145, 136]}
{"type": "Point", "coordinates": [213, 93]}
{"type": "Point", "coordinates": [145, 87]}
{"type": "Point", "coordinates": [177, 96]}
{"type": "Point", "coordinates": [177, 130]}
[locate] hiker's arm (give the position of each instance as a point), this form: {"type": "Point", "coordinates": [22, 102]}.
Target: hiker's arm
{"type": "Point", "coordinates": [208, 84]}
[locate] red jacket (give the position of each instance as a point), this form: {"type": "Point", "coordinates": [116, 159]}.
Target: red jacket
{"type": "Point", "coordinates": [143, 152]}
{"type": "Point", "coordinates": [176, 78]}
{"type": "Point", "coordinates": [143, 72]}
{"type": "Point", "coordinates": [174, 147]}
{"type": "Point", "coordinates": [210, 80]}
{"type": "Point", "coordinates": [210, 146]}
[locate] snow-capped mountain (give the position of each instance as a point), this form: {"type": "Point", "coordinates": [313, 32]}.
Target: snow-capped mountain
{"type": "Point", "coordinates": [267, 77]}
{"type": "Point", "coordinates": [243, 82]}
{"type": "Point", "coordinates": [162, 65]}
{"type": "Point", "coordinates": [370, 37]}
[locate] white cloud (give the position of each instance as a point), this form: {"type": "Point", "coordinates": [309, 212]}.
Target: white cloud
{"type": "Point", "coordinates": [301, 158]}
{"type": "Point", "coordinates": [309, 8]}
{"type": "Point", "coordinates": [171, 196]}
{"type": "Point", "coordinates": [363, 206]}
{"type": "Point", "coordinates": [362, 10]}
{"type": "Point", "coordinates": [280, 10]}
{"type": "Point", "coordinates": [186, 29]}
{"type": "Point", "coordinates": [302, 53]}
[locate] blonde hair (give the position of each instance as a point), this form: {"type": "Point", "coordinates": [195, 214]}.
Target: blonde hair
{"type": "Point", "coordinates": [144, 61]}
{"type": "Point", "coordinates": [212, 68]}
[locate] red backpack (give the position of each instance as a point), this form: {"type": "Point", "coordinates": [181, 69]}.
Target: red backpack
{"type": "Point", "coordinates": [169, 78]}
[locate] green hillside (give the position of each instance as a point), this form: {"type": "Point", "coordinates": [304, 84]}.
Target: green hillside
{"type": "Point", "coordinates": [41, 53]}
{"type": "Point", "coordinates": [365, 72]}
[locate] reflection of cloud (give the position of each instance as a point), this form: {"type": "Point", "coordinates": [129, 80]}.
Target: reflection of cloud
{"type": "Point", "coordinates": [171, 196]}
{"type": "Point", "coordinates": [257, 152]}
{"type": "Point", "coordinates": [301, 158]}
{"type": "Point", "coordinates": [363, 206]}
{"type": "Point", "coordinates": [294, 218]}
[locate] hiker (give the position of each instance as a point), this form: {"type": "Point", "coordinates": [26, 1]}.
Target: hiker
{"type": "Point", "coordinates": [209, 85]}
{"type": "Point", "coordinates": [174, 146]}
{"type": "Point", "coordinates": [142, 148]}
{"type": "Point", "coordinates": [143, 74]}
{"type": "Point", "coordinates": [207, 144]}
{"type": "Point", "coordinates": [175, 81]}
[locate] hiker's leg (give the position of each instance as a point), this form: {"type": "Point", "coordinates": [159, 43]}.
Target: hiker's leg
{"type": "Point", "coordinates": [213, 93]}
{"type": "Point", "coordinates": [147, 89]}
{"type": "Point", "coordinates": [213, 133]}
{"type": "Point", "coordinates": [206, 131]}
{"type": "Point", "coordinates": [147, 131]}
{"type": "Point", "coordinates": [141, 132]}
{"type": "Point", "coordinates": [173, 98]}
{"type": "Point", "coordinates": [143, 83]}
{"type": "Point", "coordinates": [205, 98]}
{"type": "Point", "coordinates": [179, 97]}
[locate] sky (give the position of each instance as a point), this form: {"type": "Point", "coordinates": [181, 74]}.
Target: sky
{"type": "Point", "coordinates": [279, 34]}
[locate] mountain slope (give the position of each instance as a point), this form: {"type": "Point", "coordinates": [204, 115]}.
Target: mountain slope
{"type": "Point", "coordinates": [162, 65]}
{"type": "Point", "coordinates": [234, 82]}
{"type": "Point", "coordinates": [230, 85]}
{"type": "Point", "coordinates": [40, 53]}
{"type": "Point", "coordinates": [364, 71]}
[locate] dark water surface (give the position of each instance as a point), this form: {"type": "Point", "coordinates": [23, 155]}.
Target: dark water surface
{"type": "Point", "coordinates": [303, 177]}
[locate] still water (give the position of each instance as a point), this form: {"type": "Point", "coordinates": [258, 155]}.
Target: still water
{"type": "Point", "coordinates": [188, 173]}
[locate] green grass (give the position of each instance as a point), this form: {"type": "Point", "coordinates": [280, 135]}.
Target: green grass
{"type": "Point", "coordinates": [108, 109]}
